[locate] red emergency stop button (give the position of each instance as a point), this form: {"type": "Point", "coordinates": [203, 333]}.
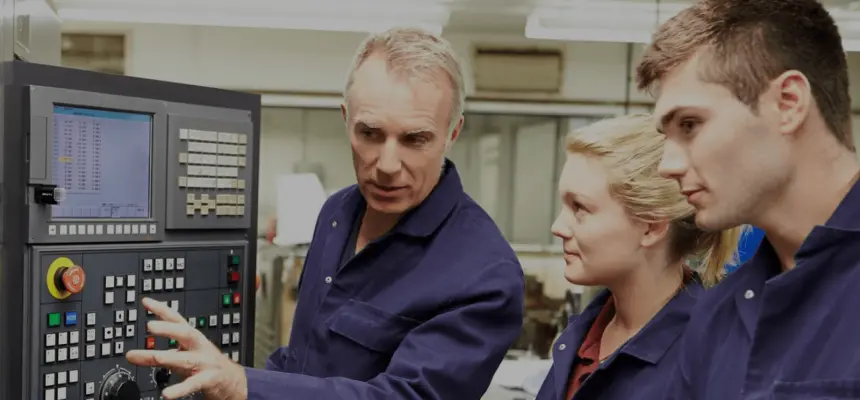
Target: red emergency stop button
{"type": "Point", "coordinates": [150, 342]}
{"type": "Point", "coordinates": [236, 298]}
{"type": "Point", "coordinates": [73, 279]}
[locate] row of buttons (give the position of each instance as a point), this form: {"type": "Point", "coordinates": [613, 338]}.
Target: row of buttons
{"type": "Point", "coordinates": [234, 355]}
{"type": "Point", "coordinates": [62, 354]}
{"type": "Point", "coordinates": [61, 378]}
{"type": "Point", "coordinates": [211, 159]}
{"type": "Point", "coordinates": [228, 299]}
{"type": "Point", "coordinates": [212, 136]}
{"type": "Point", "coordinates": [161, 264]}
{"type": "Point", "coordinates": [119, 317]}
{"type": "Point", "coordinates": [129, 297]}
{"type": "Point", "coordinates": [211, 183]}
{"type": "Point", "coordinates": [158, 284]}
{"type": "Point", "coordinates": [119, 281]}
{"type": "Point", "coordinates": [62, 338]}
{"type": "Point", "coordinates": [54, 319]}
{"type": "Point", "coordinates": [211, 171]}
{"type": "Point", "coordinates": [228, 339]}
{"type": "Point", "coordinates": [226, 319]}
{"type": "Point", "coordinates": [118, 348]}
{"type": "Point", "coordinates": [111, 229]}
{"type": "Point", "coordinates": [215, 148]}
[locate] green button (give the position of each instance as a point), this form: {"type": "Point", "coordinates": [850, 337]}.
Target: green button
{"type": "Point", "coordinates": [201, 322]}
{"type": "Point", "coordinates": [172, 342]}
{"type": "Point", "coordinates": [53, 320]}
{"type": "Point", "coordinates": [225, 300]}
{"type": "Point", "coordinates": [233, 260]}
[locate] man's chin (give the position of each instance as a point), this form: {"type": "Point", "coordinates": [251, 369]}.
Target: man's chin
{"type": "Point", "coordinates": [387, 206]}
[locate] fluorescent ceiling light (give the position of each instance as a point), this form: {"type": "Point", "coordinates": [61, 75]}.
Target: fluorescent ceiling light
{"type": "Point", "coordinates": [535, 30]}
{"type": "Point", "coordinates": [324, 15]}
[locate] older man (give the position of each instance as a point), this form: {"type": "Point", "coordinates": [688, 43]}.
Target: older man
{"type": "Point", "coordinates": [409, 289]}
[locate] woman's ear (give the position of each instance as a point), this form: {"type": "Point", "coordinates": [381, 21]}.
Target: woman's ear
{"type": "Point", "coordinates": [655, 232]}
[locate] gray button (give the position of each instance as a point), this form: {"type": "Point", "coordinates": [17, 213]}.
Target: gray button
{"type": "Point", "coordinates": [334, 224]}
{"type": "Point", "coordinates": [328, 279]}
{"type": "Point", "coordinates": [749, 294]}
{"type": "Point", "coordinates": [562, 346]}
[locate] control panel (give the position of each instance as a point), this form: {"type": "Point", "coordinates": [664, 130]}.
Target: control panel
{"type": "Point", "coordinates": [134, 188]}
{"type": "Point", "coordinates": [90, 314]}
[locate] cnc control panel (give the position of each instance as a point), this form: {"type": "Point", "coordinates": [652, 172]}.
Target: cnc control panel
{"type": "Point", "coordinates": [134, 188]}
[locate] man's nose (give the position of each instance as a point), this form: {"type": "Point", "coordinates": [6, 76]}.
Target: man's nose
{"type": "Point", "coordinates": [674, 163]}
{"type": "Point", "coordinates": [560, 227]}
{"type": "Point", "coordinates": [389, 158]}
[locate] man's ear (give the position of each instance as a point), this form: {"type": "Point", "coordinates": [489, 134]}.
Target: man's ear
{"type": "Point", "coordinates": [343, 113]}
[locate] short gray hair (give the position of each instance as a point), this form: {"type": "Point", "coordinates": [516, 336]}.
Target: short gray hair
{"type": "Point", "coordinates": [415, 52]}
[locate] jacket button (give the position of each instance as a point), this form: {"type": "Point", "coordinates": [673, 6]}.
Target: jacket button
{"type": "Point", "coordinates": [562, 346]}
{"type": "Point", "coordinates": [328, 279]}
{"type": "Point", "coordinates": [334, 224]}
{"type": "Point", "coordinates": [749, 294]}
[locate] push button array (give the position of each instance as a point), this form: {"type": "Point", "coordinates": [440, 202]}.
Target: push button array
{"type": "Point", "coordinates": [58, 385]}
{"type": "Point", "coordinates": [62, 346]}
{"type": "Point", "coordinates": [168, 283]}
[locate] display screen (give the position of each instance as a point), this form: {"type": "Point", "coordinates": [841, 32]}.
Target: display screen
{"type": "Point", "coordinates": [102, 159]}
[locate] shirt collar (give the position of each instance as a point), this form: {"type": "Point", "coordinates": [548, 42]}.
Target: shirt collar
{"type": "Point", "coordinates": [428, 216]}
{"type": "Point", "coordinates": [657, 336]}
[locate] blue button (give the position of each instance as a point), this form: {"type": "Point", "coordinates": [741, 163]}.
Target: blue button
{"type": "Point", "coordinates": [71, 318]}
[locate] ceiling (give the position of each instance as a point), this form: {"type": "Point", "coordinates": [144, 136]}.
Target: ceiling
{"type": "Point", "coordinates": [460, 16]}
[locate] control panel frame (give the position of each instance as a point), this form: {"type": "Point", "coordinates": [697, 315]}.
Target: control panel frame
{"type": "Point", "coordinates": [18, 239]}
{"type": "Point", "coordinates": [44, 228]}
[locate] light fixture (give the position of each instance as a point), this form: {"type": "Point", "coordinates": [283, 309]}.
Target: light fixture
{"type": "Point", "coordinates": [321, 15]}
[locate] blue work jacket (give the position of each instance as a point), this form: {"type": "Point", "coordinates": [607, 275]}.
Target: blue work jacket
{"type": "Point", "coordinates": [762, 334]}
{"type": "Point", "coordinates": [639, 369]}
{"type": "Point", "coordinates": [427, 311]}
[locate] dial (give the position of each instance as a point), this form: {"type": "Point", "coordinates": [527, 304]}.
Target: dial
{"type": "Point", "coordinates": [161, 377]}
{"type": "Point", "coordinates": [119, 385]}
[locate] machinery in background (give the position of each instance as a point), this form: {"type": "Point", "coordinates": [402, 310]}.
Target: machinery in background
{"type": "Point", "coordinates": [115, 188]}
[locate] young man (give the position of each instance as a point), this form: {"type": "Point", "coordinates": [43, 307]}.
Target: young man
{"type": "Point", "coordinates": [752, 96]}
{"type": "Point", "coordinates": [409, 289]}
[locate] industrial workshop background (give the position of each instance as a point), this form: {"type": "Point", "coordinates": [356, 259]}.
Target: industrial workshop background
{"type": "Point", "coordinates": [534, 70]}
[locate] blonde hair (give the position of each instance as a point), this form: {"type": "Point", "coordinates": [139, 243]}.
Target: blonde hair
{"type": "Point", "coordinates": [631, 149]}
{"type": "Point", "coordinates": [414, 52]}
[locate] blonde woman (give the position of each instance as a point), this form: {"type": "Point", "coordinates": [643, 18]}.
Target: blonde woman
{"type": "Point", "coordinates": [630, 230]}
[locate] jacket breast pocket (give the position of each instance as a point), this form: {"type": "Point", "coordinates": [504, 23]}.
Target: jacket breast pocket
{"type": "Point", "coordinates": [817, 390]}
{"type": "Point", "coordinates": [367, 337]}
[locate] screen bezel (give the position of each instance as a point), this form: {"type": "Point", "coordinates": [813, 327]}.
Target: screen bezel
{"type": "Point", "coordinates": [45, 229]}
{"type": "Point", "coordinates": [151, 203]}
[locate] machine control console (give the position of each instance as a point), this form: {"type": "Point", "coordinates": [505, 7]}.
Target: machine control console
{"type": "Point", "coordinates": [135, 188]}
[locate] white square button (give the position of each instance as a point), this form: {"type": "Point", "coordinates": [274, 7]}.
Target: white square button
{"type": "Point", "coordinates": [50, 394]}
{"type": "Point", "coordinates": [180, 282]}
{"type": "Point", "coordinates": [147, 285]}
{"type": "Point", "coordinates": [108, 298]}
{"type": "Point", "coordinates": [158, 284]}
{"type": "Point", "coordinates": [159, 264]}
{"type": "Point", "coordinates": [213, 320]}
{"type": "Point", "coordinates": [62, 354]}
{"type": "Point", "coordinates": [73, 376]}
{"type": "Point", "coordinates": [129, 296]}
{"type": "Point", "coordinates": [120, 281]}
{"type": "Point", "coordinates": [118, 347]}
{"type": "Point", "coordinates": [235, 337]}
{"type": "Point", "coordinates": [180, 264]}
{"type": "Point", "coordinates": [51, 340]}
{"type": "Point", "coordinates": [106, 349]}
{"type": "Point", "coordinates": [169, 266]}
{"type": "Point", "coordinates": [61, 393]}
{"type": "Point", "coordinates": [61, 377]}
{"type": "Point", "coordinates": [91, 350]}
{"type": "Point", "coordinates": [109, 282]}
{"type": "Point", "coordinates": [91, 319]}
{"type": "Point", "coordinates": [91, 335]}
{"type": "Point", "coordinates": [237, 318]}
{"type": "Point", "coordinates": [50, 356]}
{"type": "Point", "coordinates": [168, 284]}
{"type": "Point", "coordinates": [147, 265]}
{"type": "Point", "coordinates": [130, 281]}
{"type": "Point", "coordinates": [74, 352]}
{"type": "Point", "coordinates": [129, 331]}
{"type": "Point", "coordinates": [132, 315]}
{"type": "Point", "coordinates": [50, 379]}
{"type": "Point", "coordinates": [119, 316]}
{"type": "Point", "coordinates": [63, 338]}
{"type": "Point", "coordinates": [74, 337]}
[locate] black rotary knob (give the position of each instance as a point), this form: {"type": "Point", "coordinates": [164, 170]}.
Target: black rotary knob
{"type": "Point", "coordinates": [162, 377]}
{"type": "Point", "coordinates": [120, 386]}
